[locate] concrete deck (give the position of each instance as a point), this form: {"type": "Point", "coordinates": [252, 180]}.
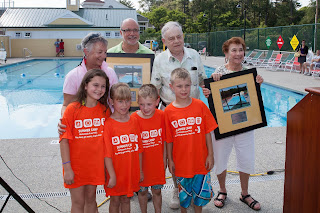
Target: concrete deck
{"type": "Point", "coordinates": [37, 163]}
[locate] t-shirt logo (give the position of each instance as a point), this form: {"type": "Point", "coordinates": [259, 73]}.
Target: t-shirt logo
{"type": "Point", "coordinates": [160, 131]}
{"type": "Point", "coordinates": [78, 124]}
{"type": "Point", "coordinates": [96, 122]}
{"type": "Point", "coordinates": [174, 124]}
{"type": "Point", "coordinates": [145, 134]}
{"type": "Point", "coordinates": [190, 121]}
{"type": "Point", "coordinates": [102, 121]}
{"type": "Point", "coordinates": [115, 140]}
{"type": "Point", "coordinates": [153, 133]}
{"type": "Point", "coordinates": [132, 137]}
{"type": "Point", "coordinates": [198, 120]}
{"type": "Point", "coordinates": [124, 139]}
{"type": "Point", "coordinates": [182, 122]}
{"type": "Point", "coordinates": [87, 123]}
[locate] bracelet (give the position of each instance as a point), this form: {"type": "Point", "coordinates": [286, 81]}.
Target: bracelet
{"type": "Point", "coordinates": [66, 162]}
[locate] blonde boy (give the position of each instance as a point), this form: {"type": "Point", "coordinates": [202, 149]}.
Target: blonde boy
{"type": "Point", "coordinates": [152, 127]}
{"type": "Point", "coordinates": [189, 146]}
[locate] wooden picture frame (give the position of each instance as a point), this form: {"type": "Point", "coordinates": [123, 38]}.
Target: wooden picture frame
{"type": "Point", "coordinates": [132, 68]}
{"type": "Point", "coordinates": [236, 103]}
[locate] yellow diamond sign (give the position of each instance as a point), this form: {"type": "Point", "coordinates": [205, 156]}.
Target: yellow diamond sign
{"type": "Point", "coordinates": [294, 42]}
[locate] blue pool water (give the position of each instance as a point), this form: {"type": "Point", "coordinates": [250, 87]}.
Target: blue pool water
{"type": "Point", "coordinates": [31, 98]}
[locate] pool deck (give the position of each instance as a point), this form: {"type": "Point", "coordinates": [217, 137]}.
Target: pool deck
{"type": "Point", "coordinates": [37, 163]}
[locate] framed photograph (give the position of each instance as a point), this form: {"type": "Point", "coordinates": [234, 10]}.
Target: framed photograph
{"type": "Point", "coordinates": [236, 103]}
{"type": "Point", "coordinates": [133, 69]}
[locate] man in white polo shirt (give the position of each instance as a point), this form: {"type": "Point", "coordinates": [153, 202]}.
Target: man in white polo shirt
{"type": "Point", "coordinates": [176, 56]}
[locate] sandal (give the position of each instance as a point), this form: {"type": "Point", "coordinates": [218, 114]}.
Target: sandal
{"type": "Point", "coordinates": [221, 200]}
{"type": "Point", "coordinates": [252, 204]}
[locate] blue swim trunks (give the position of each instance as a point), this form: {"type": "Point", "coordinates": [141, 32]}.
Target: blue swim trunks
{"type": "Point", "coordinates": [198, 188]}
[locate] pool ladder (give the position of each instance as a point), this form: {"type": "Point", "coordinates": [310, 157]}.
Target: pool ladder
{"type": "Point", "coordinates": [24, 50]}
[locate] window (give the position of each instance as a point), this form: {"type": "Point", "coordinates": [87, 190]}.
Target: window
{"type": "Point", "coordinates": [117, 34]}
{"type": "Point", "coordinates": [18, 35]}
{"type": "Point", "coordinates": [108, 34]}
{"type": "Point", "coordinates": [27, 35]}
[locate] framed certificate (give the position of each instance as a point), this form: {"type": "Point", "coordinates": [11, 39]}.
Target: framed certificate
{"type": "Point", "coordinates": [236, 103]}
{"type": "Point", "coordinates": [133, 69]}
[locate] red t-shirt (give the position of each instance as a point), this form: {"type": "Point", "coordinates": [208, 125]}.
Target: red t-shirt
{"type": "Point", "coordinates": [85, 134]}
{"type": "Point", "coordinates": [61, 45]}
{"type": "Point", "coordinates": [152, 136]}
{"type": "Point", "coordinates": [186, 129]}
{"type": "Point", "coordinates": [123, 145]}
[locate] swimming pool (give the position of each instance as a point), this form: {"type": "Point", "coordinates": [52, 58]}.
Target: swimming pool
{"type": "Point", "coordinates": [31, 98]}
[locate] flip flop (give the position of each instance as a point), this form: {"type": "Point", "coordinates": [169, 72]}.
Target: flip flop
{"type": "Point", "coordinates": [221, 200]}
{"type": "Point", "coordinates": [252, 204]}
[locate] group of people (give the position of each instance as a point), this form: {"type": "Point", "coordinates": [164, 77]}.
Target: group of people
{"type": "Point", "coordinates": [59, 47]}
{"type": "Point", "coordinates": [306, 67]}
{"type": "Point", "coordinates": [99, 135]}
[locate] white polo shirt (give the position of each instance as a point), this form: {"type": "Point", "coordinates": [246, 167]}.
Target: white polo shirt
{"type": "Point", "coordinates": [165, 63]}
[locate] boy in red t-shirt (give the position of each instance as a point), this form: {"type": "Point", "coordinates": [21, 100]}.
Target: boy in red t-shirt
{"type": "Point", "coordinates": [152, 126]}
{"type": "Point", "coordinates": [189, 146]}
{"type": "Point", "coordinates": [123, 150]}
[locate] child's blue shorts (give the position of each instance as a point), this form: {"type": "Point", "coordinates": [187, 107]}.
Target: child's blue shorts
{"type": "Point", "coordinates": [199, 188]}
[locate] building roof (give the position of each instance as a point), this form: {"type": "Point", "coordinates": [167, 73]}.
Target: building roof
{"type": "Point", "coordinates": [101, 4]}
{"type": "Point", "coordinates": [42, 17]}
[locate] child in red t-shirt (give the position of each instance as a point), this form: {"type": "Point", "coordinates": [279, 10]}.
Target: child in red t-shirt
{"type": "Point", "coordinates": [82, 147]}
{"type": "Point", "coordinates": [189, 146]}
{"type": "Point", "coordinates": [154, 161]}
{"type": "Point", "coordinates": [123, 150]}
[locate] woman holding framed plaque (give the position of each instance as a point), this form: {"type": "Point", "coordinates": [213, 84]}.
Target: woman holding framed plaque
{"type": "Point", "coordinates": [243, 143]}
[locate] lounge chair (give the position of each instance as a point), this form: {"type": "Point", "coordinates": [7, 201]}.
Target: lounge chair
{"type": "Point", "coordinates": [264, 61]}
{"type": "Point", "coordinates": [292, 64]}
{"type": "Point", "coordinates": [248, 56]}
{"type": "Point", "coordinates": [254, 58]}
{"type": "Point", "coordinates": [315, 72]}
{"type": "Point", "coordinates": [203, 51]}
{"type": "Point", "coordinates": [283, 62]}
{"type": "Point", "coordinates": [275, 61]}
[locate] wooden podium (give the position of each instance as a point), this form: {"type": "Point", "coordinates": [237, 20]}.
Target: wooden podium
{"type": "Point", "coordinates": [302, 174]}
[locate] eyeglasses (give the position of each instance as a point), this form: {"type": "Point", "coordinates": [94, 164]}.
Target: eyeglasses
{"type": "Point", "coordinates": [130, 30]}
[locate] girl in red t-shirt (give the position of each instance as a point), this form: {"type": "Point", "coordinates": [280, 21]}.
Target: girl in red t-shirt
{"type": "Point", "coordinates": [123, 150]}
{"type": "Point", "coordinates": [81, 146]}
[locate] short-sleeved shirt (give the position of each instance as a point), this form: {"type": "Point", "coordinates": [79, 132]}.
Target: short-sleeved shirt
{"type": "Point", "coordinates": [56, 44]}
{"type": "Point", "coordinates": [84, 132]}
{"type": "Point", "coordinates": [153, 138]}
{"type": "Point", "coordinates": [74, 77]}
{"type": "Point", "coordinates": [165, 63]}
{"type": "Point", "coordinates": [186, 128]}
{"type": "Point", "coordinates": [123, 144]}
{"type": "Point", "coordinates": [61, 45]}
{"type": "Point", "coordinates": [118, 49]}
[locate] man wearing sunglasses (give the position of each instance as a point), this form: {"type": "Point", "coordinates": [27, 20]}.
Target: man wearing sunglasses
{"type": "Point", "coordinates": [129, 31]}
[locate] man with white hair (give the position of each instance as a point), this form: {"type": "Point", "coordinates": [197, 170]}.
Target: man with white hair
{"type": "Point", "coordinates": [176, 56]}
{"type": "Point", "coordinates": [129, 31]}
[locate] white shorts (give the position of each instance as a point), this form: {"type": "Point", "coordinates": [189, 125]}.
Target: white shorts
{"type": "Point", "coordinates": [244, 147]}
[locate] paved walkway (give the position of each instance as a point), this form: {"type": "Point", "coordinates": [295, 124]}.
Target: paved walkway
{"type": "Point", "coordinates": [37, 163]}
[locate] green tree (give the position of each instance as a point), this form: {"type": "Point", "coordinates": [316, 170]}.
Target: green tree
{"type": "Point", "coordinates": [127, 3]}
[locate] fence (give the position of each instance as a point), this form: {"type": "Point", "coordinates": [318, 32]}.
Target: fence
{"type": "Point", "coordinates": [255, 38]}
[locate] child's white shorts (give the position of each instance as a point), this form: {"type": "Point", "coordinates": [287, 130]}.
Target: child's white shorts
{"type": "Point", "coordinates": [244, 148]}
